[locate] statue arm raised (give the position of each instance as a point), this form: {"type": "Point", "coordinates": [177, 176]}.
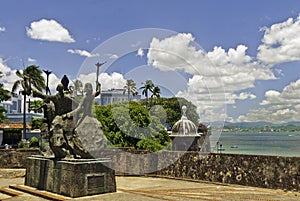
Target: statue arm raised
{"type": "Point", "coordinates": [37, 93]}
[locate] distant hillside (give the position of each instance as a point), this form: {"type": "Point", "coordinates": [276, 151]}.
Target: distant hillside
{"type": "Point", "coordinates": [258, 124]}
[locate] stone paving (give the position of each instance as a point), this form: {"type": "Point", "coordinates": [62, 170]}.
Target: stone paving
{"type": "Point", "coordinates": [159, 189]}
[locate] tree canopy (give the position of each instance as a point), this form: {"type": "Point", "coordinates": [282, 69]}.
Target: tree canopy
{"type": "Point", "coordinates": [132, 124]}
{"type": "Point", "coordinates": [129, 124]}
{"type": "Point", "coordinates": [4, 95]}
{"type": "Point", "coordinates": [172, 107]}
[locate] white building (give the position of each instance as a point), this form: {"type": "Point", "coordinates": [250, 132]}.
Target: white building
{"type": "Point", "coordinates": [14, 105]}
{"type": "Point", "coordinates": [14, 108]}
{"type": "Point", "coordinates": [114, 95]}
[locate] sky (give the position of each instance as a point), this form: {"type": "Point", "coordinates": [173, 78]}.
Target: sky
{"type": "Point", "coordinates": [237, 61]}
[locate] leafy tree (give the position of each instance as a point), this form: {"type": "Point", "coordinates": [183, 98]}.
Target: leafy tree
{"type": "Point", "coordinates": [36, 106]}
{"type": "Point", "coordinates": [130, 88]}
{"type": "Point", "coordinates": [36, 123]}
{"type": "Point", "coordinates": [2, 116]}
{"type": "Point", "coordinates": [127, 123]}
{"type": "Point", "coordinates": [4, 95]}
{"type": "Point", "coordinates": [172, 107]}
{"type": "Point", "coordinates": [131, 124]}
{"type": "Point", "coordinates": [34, 142]}
{"type": "Point", "coordinates": [150, 144]}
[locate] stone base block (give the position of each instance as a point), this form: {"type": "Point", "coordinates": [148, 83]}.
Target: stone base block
{"type": "Point", "coordinates": [73, 178]}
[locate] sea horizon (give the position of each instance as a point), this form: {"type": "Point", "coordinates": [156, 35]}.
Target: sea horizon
{"type": "Point", "coordinates": [259, 143]}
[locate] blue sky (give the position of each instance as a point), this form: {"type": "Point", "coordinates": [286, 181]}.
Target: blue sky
{"type": "Point", "coordinates": [253, 48]}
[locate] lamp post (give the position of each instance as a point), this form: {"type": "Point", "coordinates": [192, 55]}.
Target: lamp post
{"type": "Point", "coordinates": [98, 65]}
{"type": "Point", "coordinates": [47, 81]}
{"type": "Point", "coordinates": [24, 116]}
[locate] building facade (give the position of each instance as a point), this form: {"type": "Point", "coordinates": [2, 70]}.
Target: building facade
{"type": "Point", "coordinates": [14, 105]}
{"type": "Point", "coordinates": [114, 95]}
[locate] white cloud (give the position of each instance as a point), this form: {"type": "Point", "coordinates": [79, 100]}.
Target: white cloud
{"type": "Point", "coordinates": [242, 96]}
{"type": "Point", "coordinates": [278, 107]}
{"type": "Point", "coordinates": [108, 81]}
{"type": "Point", "coordinates": [218, 76]}
{"type": "Point", "coordinates": [2, 29]}
{"type": "Point", "coordinates": [49, 30]}
{"type": "Point", "coordinates": [8, 77]}
{"type": "Point", "coordinates": [82, 53]}
{"type": "Point", "coordinates": [3, 67]}
{"type": "Point", "coordinates": [31, 60]}
{"type": "Point", "coordinates": [281, 42]}
{"type": "Point", "coordinates": [114, 56]}
{"type": "Point", "coordinates": [140, 52]}
{"type": "Point", "coordinates": [113, 81]}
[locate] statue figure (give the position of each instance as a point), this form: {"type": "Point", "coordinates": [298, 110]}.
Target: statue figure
{"type": "Point", "coordinates": [87, 128]}
{"type": "Point", "coordinates": [63, 104]}
{"type": "Point", "coordinates": [71, 132]}
{"type": "Point", "coordinates": [65, 82]}
{"type": "Point", "coordinates": [49, 114]}
{"type": "Point", "coordinates": [85, 106]}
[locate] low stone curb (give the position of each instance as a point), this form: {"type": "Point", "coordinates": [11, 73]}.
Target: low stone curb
{"type": "Point", "coordinates": [36, 192]}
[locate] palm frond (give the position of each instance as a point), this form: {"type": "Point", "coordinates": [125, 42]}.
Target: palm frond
{"type": "Point", "coordinates": [16, 85]}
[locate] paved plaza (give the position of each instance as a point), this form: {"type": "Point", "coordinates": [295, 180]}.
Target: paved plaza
{"type": "Point", "coordinates": [151, 189]}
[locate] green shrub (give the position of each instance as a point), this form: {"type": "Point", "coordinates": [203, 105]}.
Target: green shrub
{"type": "Point", "coordinates": [24, 145]}
{"type": "Point", "coordinates": [34, 142]}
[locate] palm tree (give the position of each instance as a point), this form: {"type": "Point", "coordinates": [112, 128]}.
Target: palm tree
{"type": "Point", "coordinates": [130, 88]}
{"type": "Point", "coordinates": [148, 86]}
{"type": "Point", "coordinates": [156, 92]}
{"type": "Point", "coordinates": [31, 75]}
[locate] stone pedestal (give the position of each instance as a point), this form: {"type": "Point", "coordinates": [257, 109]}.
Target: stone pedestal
{"type": "Point", "coordinates": [73, 178]}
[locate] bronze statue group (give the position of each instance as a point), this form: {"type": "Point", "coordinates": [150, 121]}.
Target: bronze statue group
{"type": "Point", "coordinates": [69, 129]}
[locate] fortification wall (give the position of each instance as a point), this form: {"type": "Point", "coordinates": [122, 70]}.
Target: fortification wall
{"type": "Point", "coordinates": [15, 158]}
{"type": "Point", "coordinates": [251, 170]}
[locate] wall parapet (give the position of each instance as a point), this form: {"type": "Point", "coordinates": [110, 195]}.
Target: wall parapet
{"type": "Point", "coordinates": [275, 172]}
{"type": "Point", "coordinates": [15, 158]}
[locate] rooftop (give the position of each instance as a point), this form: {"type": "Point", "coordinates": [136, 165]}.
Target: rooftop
{"type": "Point", "coordinates": [13, 125]}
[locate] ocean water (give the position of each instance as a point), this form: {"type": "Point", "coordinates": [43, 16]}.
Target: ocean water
{"type": "Point", "coordinates": [260, 143]}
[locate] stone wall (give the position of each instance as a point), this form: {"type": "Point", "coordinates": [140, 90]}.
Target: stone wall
{"type": "Point", "coordinates": [15, 158]}
{"type": "Point", "coordinates": [251, 170]}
